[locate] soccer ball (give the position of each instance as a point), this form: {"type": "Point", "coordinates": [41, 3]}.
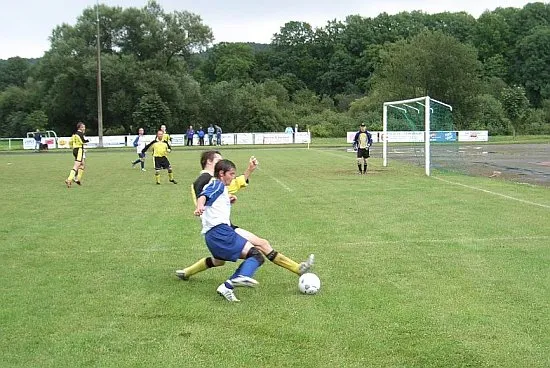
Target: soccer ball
{"type": "Point", "coordinates": [309, 283]}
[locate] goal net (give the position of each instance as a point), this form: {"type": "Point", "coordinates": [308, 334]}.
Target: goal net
{"type": "Point", "coordinates": [420, 131]}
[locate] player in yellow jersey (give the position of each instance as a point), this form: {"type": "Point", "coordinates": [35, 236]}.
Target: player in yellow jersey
{"type": "Point", "coordinates": [77, 142]}
{"type": "Point", "coordinates": [166, 137]}
{"type": "Point", "coordinates": [208, 162]}
{"type": "Point", "coordinates": [161, 148]}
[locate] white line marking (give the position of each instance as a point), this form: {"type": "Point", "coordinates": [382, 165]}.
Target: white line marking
{"type": "Point", "coordinates": [277, 180]}
{"type": "Point", "coordinates": [493, 193]}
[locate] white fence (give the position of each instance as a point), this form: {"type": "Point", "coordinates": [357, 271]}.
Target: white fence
{"type": "Point", "coordinates": [177, 140]}
{"type": "Point", "coordinates": [418, 136]}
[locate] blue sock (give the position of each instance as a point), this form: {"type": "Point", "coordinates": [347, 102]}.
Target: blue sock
{"type": "Point", "coordinates": [247, 268]}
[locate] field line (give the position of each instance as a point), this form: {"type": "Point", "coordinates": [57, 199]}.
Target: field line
{"type": "Point", "coordinates": [278, 181]}
{"type": "Point", "coordinates": [493, 193]}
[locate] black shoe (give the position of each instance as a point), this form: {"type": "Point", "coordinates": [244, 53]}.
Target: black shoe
{"type": "Point", "coordinates": [173, 181]}
{"type": "Point", "coordinates": [78, 182]}
{"type": "Point", "coordinates": [158, 183]}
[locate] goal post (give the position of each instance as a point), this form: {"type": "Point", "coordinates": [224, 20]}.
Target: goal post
{"type": "Point", "coordinates": [416, 119]}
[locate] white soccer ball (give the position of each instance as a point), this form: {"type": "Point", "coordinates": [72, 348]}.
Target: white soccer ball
{"type": "Point", "coordinates": [309, 283]}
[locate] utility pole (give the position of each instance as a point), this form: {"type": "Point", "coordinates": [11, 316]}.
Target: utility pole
{"type": "Point", "coordinates": [99, 99]}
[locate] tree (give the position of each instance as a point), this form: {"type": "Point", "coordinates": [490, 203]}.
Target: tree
{"type": "Point", "coordinates": [151, 112]}
{"type": "Point", "coordinates": [515, 104]}
{"type": "Point", "coordinates": [533, 59]}
{"type": "Point", "coordinates": [430, 64]}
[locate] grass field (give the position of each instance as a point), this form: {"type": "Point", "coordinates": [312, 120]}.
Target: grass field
{"type": "Point", "coordinates": [443, 271]}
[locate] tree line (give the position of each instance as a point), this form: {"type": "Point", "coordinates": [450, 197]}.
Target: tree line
{"type": "Point", "coordinates": [161, 67]}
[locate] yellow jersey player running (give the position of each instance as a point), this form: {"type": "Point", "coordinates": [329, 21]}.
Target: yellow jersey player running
{"type": "Point", "coordinates": [77, 142]}
{"type": "Point", "coordinates": [161, 148]}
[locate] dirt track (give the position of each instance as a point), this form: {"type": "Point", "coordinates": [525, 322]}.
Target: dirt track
{"type": "Point", "coordinates": [525, 163]}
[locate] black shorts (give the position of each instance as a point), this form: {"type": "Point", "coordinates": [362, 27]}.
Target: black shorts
{"type": "Point", "coordinates": [363, 153]}
{"type": "Point", "coordinates": [162, 163]}
{"type": "Point", "coordinates": [78, 154]}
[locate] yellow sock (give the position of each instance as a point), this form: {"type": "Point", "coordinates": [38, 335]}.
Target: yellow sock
{"type": "Point", "coordinates": [285, 262]}
{"type": "Point", "coordinates": [157, 178]}
{"type": "Point", "coordinates": [196, 267]}
{"type": "Point", "coordinates": [71, 175]}
{"type": "Point", "coordinates": [79, 175]}
{"type": "Point", "coordinates": [171, 175]}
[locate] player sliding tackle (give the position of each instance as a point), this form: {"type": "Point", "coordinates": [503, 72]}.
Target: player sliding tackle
{"type": "Point", "coordinates": [214, 207]}
{"type": "Point", "coordinates": [208, 161]}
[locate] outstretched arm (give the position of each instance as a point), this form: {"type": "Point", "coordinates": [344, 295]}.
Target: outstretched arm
{"type": "Point", "coordinates": [147, 146]}
{"type": "Point", "coordinates": [199, 210]}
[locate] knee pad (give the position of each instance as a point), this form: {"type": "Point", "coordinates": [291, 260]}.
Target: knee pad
{"type": "Point", "coordinates": [255, 253]}
{"type": "Point", "coordinates": [210, 263]}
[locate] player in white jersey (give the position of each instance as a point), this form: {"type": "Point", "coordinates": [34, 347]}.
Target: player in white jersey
{"type": "Point", "coordinates": [140, 143]}
{"type": "Point", "coordinates": [224, 243]}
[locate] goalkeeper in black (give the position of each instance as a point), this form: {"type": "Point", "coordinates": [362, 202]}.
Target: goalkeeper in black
{"type": "Point", "coordinates": [161, 148]}
{"type": "Point", "coordinates": [362, 143]}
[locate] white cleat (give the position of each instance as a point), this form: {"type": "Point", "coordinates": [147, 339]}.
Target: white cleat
{"type": "Point", "coordinates": [227, 293]}
{"type": "Point", "coordinates": [244, 281]}
{"type": "Point", "coordinates": [181, 275]}
{"type": "Point", "coordinates": [305, 266]}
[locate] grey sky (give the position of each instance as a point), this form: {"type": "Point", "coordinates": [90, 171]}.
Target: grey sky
{"type": "Point", "coordinates": [25, 25]}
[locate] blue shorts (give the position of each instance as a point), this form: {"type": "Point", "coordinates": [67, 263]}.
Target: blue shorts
{"type": "Point", "coordinates": [224, 243]}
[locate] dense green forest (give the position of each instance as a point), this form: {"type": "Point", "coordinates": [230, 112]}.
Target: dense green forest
{"type": "Point", "coordinates": [160, 67]}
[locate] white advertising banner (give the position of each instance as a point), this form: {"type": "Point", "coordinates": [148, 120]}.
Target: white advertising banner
{"type": "Point", "coordinates": [178, 139]}
{"type": "Point", "coordinates": [245, 138]}
{"type": "Point", "coordinates": [93, 142]}
{"type": "Point", "coordinates": [114, 141]}
{"type": "Point", "coordinates": [277, 138]}
{"type": "Point", "coordinates": [258, 138]}
{"type": "Point", "coordinates": [29, 143]}
{"type": "Point", "coordinates": [63, 142]}
{"type": "Point", "coordinates": [228, 138]}
{"type": "Point", "coordinates": [473, 136]}
{"type": "Point", "coordinates": [302, 137]}
{"type": "Point", "coordinates": [404, 137]}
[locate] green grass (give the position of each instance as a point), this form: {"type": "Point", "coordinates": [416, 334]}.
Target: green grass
{"type": "Point", "coordinates": [415, 271]}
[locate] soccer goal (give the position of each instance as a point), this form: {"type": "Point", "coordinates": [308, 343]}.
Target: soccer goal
{"type": "Point", "coordinates": [417, 129]}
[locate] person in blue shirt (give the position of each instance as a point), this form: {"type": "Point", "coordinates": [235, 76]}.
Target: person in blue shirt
{"type": "Point", "coordinates": [200, 133]}
{"type": "Point", "coordinates": [211, 131]}
{"type": "Point", "coordinates": [189, 134]}
{"type": "Point", "coordinates": [223, 242]}
{"type": "Point", "coordinates": [362, 143]}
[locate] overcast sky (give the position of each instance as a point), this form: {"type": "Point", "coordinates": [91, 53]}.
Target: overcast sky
{"type": "Point", "coordinates": [25, 25]}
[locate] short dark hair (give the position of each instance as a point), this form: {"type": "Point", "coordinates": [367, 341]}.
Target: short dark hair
{"type": "Point", "coordinates": [208, 155]}
{"type": "Point", "coordinates": [223, 165]}
{"type": "Point", "coordinates": [79, 125]}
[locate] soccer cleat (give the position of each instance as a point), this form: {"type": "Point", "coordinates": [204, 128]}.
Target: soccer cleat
{"type": "Point", "coordinates": [133, 164]}
{"type": "Point", "coordinates": [244, 281]}
{"type": "Point", "coordinates": [158, 183]}
{"type": "Point", "coordinates": [173, 181]}
{"type": "Point", "coordinates": [68, 182]}
{"type": "Point", "coordinates": [78, 182]}
{"type": "Point", "coordinates": [227, 293]}
{"type": "Point", "coordinates": [143, 170]}
{"type": "Point", "coordinates": [181, 275]}
{"type": "Point", "coordinates": [305, 266]}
